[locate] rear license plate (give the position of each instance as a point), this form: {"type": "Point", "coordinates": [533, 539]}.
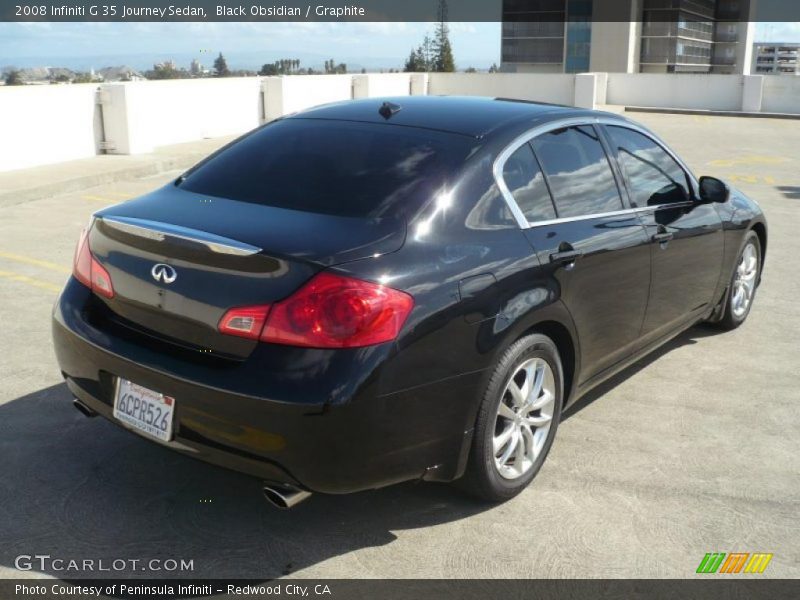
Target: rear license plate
{"type": "Point", "coordinates": [143, 409]}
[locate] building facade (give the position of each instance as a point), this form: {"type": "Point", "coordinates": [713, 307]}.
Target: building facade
{"type": "Point", "coordinates": [776, 58]}
{"type": "Point", "coordinates": [631, 36]}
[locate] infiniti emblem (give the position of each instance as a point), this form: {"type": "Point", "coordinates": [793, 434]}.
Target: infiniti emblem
{"type": "Point", "coordinates": [163, 273]}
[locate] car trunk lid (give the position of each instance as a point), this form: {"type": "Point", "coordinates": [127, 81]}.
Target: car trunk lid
{"type": "Point", "coordinates": [179, 260]}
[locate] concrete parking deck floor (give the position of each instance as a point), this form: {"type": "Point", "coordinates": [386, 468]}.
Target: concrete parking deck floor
{"type": "Point", "coordinates": [693, 450]}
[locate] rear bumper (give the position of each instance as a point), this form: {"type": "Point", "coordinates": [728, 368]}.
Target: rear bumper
{"type": "Point", "coordinates": [318, 422]}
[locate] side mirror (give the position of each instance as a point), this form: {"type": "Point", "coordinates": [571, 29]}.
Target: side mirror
{"type": "Point", "coordinates": [713, 190]}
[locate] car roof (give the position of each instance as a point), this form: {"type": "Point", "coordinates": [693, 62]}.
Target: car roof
{"type": "Point", "coordinates": [474, 116]}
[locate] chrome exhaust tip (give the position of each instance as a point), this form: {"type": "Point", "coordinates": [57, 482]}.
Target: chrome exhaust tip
{"type": "Point", "coordinates": [84, 410]}
{"type": "Point", "coordinates": [283, 495]}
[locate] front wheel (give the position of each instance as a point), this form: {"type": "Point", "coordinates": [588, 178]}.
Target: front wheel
{"type": "Point", "coordinates": [743, 284]}
{"type": "Point", "coordinates": [517, 419]}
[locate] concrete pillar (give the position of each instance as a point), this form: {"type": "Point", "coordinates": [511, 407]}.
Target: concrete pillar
{"type": "Point", "coordinates": [585, 90]}
{"type": "Point", "coordinates": [120, 133]}
{"type": "Point", "coordinates": [419, 84]}
{"type": "Point", "coordinates": [272, 97]}
{"type": "Point", "coordinates": [360, 86]}
{"type": "Point", "coordinates": [602, 88]}
{"type": "Point", "coordinates": [752, 92]}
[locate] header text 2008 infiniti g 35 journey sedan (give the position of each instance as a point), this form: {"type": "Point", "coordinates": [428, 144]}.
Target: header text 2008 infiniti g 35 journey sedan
{"type": "Point", "coordinates": [378, 291]}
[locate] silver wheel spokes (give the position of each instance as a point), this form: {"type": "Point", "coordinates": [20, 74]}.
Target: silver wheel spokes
{"type": "Point", "coordinates": [524, 417]}
{"type": "Point", "coordinates": [744, 282]}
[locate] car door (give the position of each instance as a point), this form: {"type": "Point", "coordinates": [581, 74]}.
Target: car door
{"type": "Point", "coordinates": [585, 238]}
{"type": "Point", "coordinates": [686, 235]}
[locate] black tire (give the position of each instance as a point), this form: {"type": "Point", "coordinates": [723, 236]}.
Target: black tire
{"type": "Point", "coordinates": [730, 318]}
{"type": "Point", "coordinates": [482, 477]}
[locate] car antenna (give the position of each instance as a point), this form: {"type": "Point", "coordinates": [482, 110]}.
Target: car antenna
{"type": "Point", "coordinates": [388, 109]}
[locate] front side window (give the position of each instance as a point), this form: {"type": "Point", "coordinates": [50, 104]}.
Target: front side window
{"type": "Point", "coordinates": [524, 179]}
{"type": "Point", "coordinates": [653, 176]}
{"type": "Point", "coordinates": [578, 171]}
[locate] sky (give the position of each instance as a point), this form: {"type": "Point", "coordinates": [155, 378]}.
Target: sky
{"type": "Point", "coordinates": [249, 45]}
{"type": "Point", "coordinates": [245, 45]}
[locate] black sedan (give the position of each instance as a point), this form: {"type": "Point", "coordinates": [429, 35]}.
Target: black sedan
{"type": "Point", "coordinates": [384, 290]}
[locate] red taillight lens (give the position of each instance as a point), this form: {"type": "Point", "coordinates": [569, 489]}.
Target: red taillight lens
{"type": "Point", "coordinates": [82, 265]}
{"type": "Point", "coordinates": [245, 322]}
{"type": "Point", "coordinates": [330, 311]}
{"type": "Point", "coordinates": [88, 271]}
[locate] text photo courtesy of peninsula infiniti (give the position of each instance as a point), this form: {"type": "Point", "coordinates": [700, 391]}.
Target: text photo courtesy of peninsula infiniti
{"type": "Point", "coordinates": [384, 290]}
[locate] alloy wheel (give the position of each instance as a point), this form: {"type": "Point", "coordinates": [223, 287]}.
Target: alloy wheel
{"type": "Point", "coordinates": [524, 417]}
{"type": "Point", "coordinates": [744, 282]}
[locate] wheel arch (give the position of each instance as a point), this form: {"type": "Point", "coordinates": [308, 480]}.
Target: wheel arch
{"type": "Point", "coordinates": [761, 231]}
{"type": "Point", "coordinates": [567, 350]}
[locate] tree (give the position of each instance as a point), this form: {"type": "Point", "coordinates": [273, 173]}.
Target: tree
{"type": "Point", "coordinates": [415, 63]}
{"type": "Point", "coordinates": [443, 61]}
{"type": "Point", "coordinates": [221, 67]}
{"type": "Point", "coordinates": [493, 68]}
{"type": "Point", "coordinates": [470, 70]}
{"type": "Point", "coordinates": [166, 70]}
{"type": "Point", "coordinates": [14, 77]}
{"type": "Point", "coordinates": [268, 69]}
{"type": "Point", "coordinates": [433, 54]}
{"type": "Point", "coordinates": [332, 68]}
{"type": "Point", "coordinates": [84, 78]}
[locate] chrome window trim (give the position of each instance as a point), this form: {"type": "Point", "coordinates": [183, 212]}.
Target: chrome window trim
{"type": "Point", "coordinates": [521, 140]}
{"type": "Point", "coordinates": [158, 231]}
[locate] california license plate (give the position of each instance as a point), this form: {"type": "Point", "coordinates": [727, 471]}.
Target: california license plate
{"type": "Point", "coordinates": [143, 409]}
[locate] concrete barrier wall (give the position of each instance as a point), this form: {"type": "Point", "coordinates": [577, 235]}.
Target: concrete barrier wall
{"type": "Point", "coordinates": [675, 90]}
{"type": "Point", "coordinates": [143, 115]}
{"type": "Point", "coordinates": [46, 124]}
{"type": "Point", "coordinates": [544, 87]}
{"type": "Point", "coordinates": [55, 123]}
{"type": "Point", "coordinates": [781, 94]}
{"type": "Point", "coordinates": [284, 95]}
{"type": "Point", "coordinates": [384, 84]}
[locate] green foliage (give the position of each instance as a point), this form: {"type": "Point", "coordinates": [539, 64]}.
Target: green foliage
{"type": "Point", "coordinates": [221, 67]}
{"type": "Point", "coordinates": [433, 54]}
{"type": "Point", "coordinates": [83, 78]}
{"type": "Point", "coordinates": [166, 71]}
{"type": "Point", "coordinates": [14, 77]}
{"type": "Point", "coordinates": [284, 66]}
{"type": "Point", "coordinates": [331, 68]}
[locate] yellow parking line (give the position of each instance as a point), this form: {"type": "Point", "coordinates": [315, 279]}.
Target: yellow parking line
{"type": "Point", "coordinates": [120, 195]}
{"type": "Point", "coordinates": [30, 281]}
{"type": "Point", "coordinates": [97, 199]}
{"type": "Point", "coordinates": [45, 264]}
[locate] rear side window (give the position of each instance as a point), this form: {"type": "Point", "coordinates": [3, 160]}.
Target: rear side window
{"type": "Point", "coordinates": [333, 167]}
{"type": "Point", "coordinates": [525, 181]}
{"type": "Point", "coordinates": [578, 171]}
{"type": "Point", "coordinates": [653, 176]}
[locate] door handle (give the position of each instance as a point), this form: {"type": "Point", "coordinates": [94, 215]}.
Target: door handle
{"type": "Point", "coordinates": [567, 257]}
{"type": "Point", "coordinates": [662, 236]}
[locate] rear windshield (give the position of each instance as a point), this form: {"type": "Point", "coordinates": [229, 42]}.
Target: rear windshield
{"type": "Point", "coordinates": [333, 167]}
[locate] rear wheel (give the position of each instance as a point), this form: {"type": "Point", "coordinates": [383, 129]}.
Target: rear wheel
{"type": "Point", "coordinates": [744, 281]}
{"type": "Point", "coordinates": [517, 420]}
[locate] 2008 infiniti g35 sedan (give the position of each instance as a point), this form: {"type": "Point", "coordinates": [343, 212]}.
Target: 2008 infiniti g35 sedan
{"type": "Point", "coordinates": [385, 290]}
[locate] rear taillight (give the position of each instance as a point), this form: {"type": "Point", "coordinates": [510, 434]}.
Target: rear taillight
{"type": "Point", "coordinates": [88, 271]}
{"type": "Point", "coordinates": [330, 311]}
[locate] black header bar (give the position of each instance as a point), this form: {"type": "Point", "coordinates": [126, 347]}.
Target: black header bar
{"type": "Point", "coordinates": [393, 10]}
